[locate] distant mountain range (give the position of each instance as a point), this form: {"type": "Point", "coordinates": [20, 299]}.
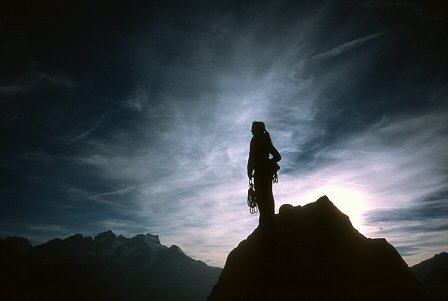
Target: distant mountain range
{"type": "Point", "coordinates": [433, 274]}
{"type": "Point", "coordinates": [314, 253]}
{"type": "Point", "coordinates": [107, 267]}
{"type": "Point", "coordinates": [309, 253]}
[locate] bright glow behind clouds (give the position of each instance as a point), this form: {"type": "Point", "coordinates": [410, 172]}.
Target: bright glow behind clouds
{"type": "Point", "coordinates": [192, 179]}
{"type": "Point", "coordinates": [158, 140]}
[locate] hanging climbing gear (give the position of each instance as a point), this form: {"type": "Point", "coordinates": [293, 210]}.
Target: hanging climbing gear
{"type": "Point", "coordinates": [275, 168]}
{"type": "Point", "coordinates": [251, 198]}
{"type": "Point", "coordinates": [275, 178]}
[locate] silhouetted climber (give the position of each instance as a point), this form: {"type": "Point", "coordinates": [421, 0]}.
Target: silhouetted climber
{"type": "Point", "coordinates": [263, 168]}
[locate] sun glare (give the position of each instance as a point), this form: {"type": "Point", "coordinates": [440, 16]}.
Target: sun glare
{"type": "Point", "coordinates": [349, 200]}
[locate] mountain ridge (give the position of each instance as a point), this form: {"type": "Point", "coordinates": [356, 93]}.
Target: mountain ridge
{"type": "Point", "coordinates": [148, 269]}
{"type": "Point", "coordinates": [105, 267]}
{"type": "Point", "coordinates": [314, 253]}
{"type": "Point", "coordinates": [433, 274]}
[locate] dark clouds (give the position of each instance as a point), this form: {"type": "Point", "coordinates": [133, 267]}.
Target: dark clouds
{"type": "Point", "coordinates": [416, 227]}
{"type": "Point", "coordinates": [134, 116]}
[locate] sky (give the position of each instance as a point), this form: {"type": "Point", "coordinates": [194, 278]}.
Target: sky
{"type": "Point", "coordinates": [135, 116]}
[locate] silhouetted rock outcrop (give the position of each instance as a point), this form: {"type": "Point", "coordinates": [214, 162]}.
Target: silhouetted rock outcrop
{"type": "Point", "coordinates": [107, 267]}
{"type": "Point", "coordinates": [314, 253]}
{"type": "Point", "coordinates": [433, 274]}
{"type": "Point", "coordinates": [18, 244]}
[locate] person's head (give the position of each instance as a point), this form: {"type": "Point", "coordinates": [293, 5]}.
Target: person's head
{"type": "Point", "coordinates": [258, 127]}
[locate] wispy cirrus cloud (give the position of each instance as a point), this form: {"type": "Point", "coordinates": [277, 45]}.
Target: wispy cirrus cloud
{"type": "Point", "coordinates": [390, 177]}
{"type": "Point", "coordinates": [161, 147]}
{"type": "Point", "coordinates": [347, 46]}
{"type": "Point", "coordinates": [35, 82]}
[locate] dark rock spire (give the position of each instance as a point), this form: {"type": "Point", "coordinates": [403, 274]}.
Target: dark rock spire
{"type": "Point", "coordinates": [314, 253]}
